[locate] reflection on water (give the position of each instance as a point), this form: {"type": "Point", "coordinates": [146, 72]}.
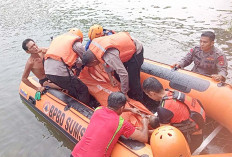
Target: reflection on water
{"type": "Point", "coordinates": [168, 30]}
{"type": "Point", "coordinates": [221, 143]}
{"type": "Point", "coordinates": [52, 130]}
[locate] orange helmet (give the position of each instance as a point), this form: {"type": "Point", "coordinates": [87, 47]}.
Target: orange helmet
{"type": "Point", "coordinates": [95, 31]}
{"type": "Point", "coordinates": [77, 32]}
{"type": "Point", "coordinates": [168, 141]}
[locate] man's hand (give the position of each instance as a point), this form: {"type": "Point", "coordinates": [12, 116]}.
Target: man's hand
{"type": "Point", "coordinates": [218, 77]}
{"type": "Point", "coordinates": [113, 82]}
{"type": "Point", "coordinates": [135, 111]}
{"type": "Point", "coordinates": [40, 89]}
{"type": "Point", "coordinates": [39, 93]}
{"type": "Point", "coordinates": [145, 120]}
{"type": "Point", "coordinates": [175, 65]}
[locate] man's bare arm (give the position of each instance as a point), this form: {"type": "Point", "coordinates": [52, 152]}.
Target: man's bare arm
{"type": "Point", "coordinates": [26, 73]}
{"type": "Point", "coordinates": [141, 135]}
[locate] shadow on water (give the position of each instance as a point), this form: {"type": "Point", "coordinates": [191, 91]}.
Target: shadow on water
{"type": "Point", "coordinates": [52, 130]}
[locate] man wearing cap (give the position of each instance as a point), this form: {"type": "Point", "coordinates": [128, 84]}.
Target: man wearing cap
{"type": "Point", "coordinates": [208, 60]}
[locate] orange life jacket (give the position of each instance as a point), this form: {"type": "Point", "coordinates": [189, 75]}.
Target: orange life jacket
{"type": "Point", "coordinates": [121, 41]}
{"type": "Point", "coordinates": [197, 113]}
{"type": "Point", "coordinates": [98, 83]}
{"type": "Point", "coordinates": [61, 49]}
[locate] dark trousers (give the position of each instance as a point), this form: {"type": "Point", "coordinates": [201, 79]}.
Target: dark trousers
{"type": "Point", "coordinates": [76, 88]}
{"type": "Point", "coordinates": [133, 67]}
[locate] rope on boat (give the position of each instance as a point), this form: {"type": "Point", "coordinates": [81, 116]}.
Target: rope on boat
{"type": "Point", "coordinates": [207, 140]}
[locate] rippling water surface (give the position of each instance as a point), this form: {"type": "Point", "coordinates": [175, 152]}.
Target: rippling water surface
{"type": "Point", "coordinates": [168, 30]}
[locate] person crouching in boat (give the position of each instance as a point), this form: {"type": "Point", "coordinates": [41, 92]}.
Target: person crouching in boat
{"type": "Point", "coordinates": [63, 53]}
{"type": "Point", "coordinates": [96, 31]}
{"type": "Point", "coordinates": [177, 109]}
{"type": "Point", "coordinates": [105, 127]}
{"type": "Point", "coordinates": [122, 54]}
{"type": "Point", "coordinates": [208, 60]}
{"type": "Point", "coordinates": [35, 65]}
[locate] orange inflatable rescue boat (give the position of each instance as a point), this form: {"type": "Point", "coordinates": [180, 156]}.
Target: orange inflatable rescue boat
{"type": "Point", "coordinates": [71, 117]}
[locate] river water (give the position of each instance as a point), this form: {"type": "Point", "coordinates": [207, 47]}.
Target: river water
{"type": "Point", "coordinates": [168, 30]}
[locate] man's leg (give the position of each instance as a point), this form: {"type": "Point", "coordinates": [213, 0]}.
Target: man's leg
{"type": "Point", "coordinates": [81, 89]}
{"type": "Point", "coordinates": [75, 87]}
{"type": "Point", "coordinates": [133, 68]}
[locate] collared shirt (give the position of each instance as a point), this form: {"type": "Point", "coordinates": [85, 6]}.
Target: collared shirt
{"type": "Point", "coordinates": [113, 61]}
{"type": "Point", "coordinates": [213, 62]}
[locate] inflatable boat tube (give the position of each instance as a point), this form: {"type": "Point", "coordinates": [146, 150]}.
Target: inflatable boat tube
{"type": "Point", "coordinates": [71, 117]}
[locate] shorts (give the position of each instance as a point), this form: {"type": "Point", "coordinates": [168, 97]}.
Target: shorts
{"type": "Point", "coordinates": [43, 80]}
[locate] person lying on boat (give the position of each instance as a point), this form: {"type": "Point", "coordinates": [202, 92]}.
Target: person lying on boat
{"type": "Point", "coordinates": [122, 54]}
{"type": "Point", "coordinates": [98, 83]}
{"type": "Point", "coordinates": [35, 65]}
{"type": "Point", "coordinates": [208, 60]}
{"type": "Point", "coordinates": [106, 126]}
{"type": "Point", "coordinates": [177, 109]}
{"type": "Point", "coordinates": [96, 31]}
{"type": "Point", "coordinates": [61, 56]}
